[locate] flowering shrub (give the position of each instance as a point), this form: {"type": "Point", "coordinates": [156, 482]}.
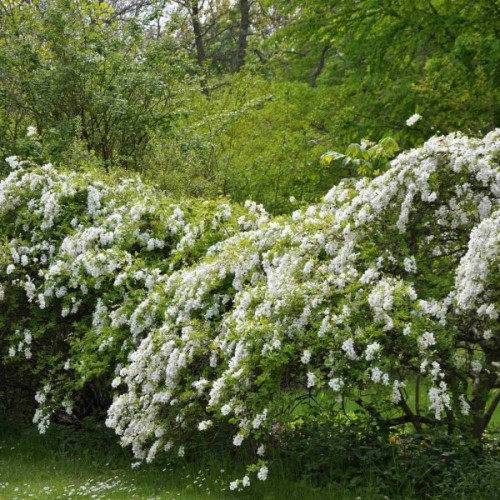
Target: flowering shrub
{"type": "Point", "coordinates": [78, 255]}
{"type": "Point", "coordinates": [205, 314]}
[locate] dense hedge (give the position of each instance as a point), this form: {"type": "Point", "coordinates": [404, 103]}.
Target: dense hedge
{"type": "Point", "coordinates": [74, 246]}
{"type": "Point", "coordinates": [197, 315]}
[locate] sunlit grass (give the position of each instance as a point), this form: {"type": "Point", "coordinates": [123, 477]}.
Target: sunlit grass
{"type": "Point", "coordinates": [88, 463]}
{"type": "Point", "coordinates": [62, 465]}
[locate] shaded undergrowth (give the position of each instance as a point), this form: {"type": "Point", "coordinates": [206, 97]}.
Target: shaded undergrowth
{"type": "Point", "coordinates": [314, 463]}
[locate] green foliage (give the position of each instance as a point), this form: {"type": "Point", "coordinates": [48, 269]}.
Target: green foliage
{"type": "Point", "coordinates": [387, 60]}
{"type": "Point", "coordinates": [256, 140]}
{"type": "Point", "coordinates": [124, 87]}
{"type": "Point", "coordinates": [366, 159]}
{"type": "Point", "coordinates": [75, 73]}
{"type": "Point", "coordinates": [403, 465]}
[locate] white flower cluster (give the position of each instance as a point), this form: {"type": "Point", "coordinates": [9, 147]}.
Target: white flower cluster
{"type": "Point", "coordinates": [330, 298]}
{"type": "Point", "coordinates": [107, 247]}
{"type": "Point", "coordinates": [475, 277]}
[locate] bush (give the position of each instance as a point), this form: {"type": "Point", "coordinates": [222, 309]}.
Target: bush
{"type": "Point", "coordinates": [76, 246]}
{"type": "Point", "coordinates": [213, 316]}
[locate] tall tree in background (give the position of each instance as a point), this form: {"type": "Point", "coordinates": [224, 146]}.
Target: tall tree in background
{"type": "Point", "coordinates": [73, 71]}
{"type": "Point", "coordinates": [244, 6]}
{"type": "Point", "coordinates": [389, 59]}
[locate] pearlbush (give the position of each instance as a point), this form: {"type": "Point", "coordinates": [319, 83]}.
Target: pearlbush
{"type": "Point", "coordinates": [204, 315]}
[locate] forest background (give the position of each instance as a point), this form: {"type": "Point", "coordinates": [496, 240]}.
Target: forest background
{"type": "Point", "coordinates": [241, 98]}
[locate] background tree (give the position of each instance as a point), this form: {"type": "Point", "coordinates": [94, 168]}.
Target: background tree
{"type": "Point", "coordinates": [439, 58]}
{"type": "Point", "coordinates": [209, 97]}
{"type": "Point", "coordinates": [73, 71]}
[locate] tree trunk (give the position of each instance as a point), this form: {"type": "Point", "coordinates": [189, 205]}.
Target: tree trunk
{"type": "Point", "coordinates": [198, 34]}
{"type": "Point", "coordinates": [243, 34]}
{"type": "Point", "coordinates": [480, 414]}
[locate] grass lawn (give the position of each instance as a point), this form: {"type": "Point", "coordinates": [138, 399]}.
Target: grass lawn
{"type": "Point", "coordinates": [90, 464]}
{"type": "Point", "coordinates": [59, 465]}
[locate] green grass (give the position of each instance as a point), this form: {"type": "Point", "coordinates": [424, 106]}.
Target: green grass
{"type": "Point", "coordinates": [64, 465]}
{"type": "Point", "coordinates": [89, 464]}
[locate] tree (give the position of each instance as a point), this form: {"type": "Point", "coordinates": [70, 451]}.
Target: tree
{"type": "Point", "coordinates": [243, 33]}
{"type": "Point", "coordinates": [388, 60]}
{"type": "Point", "coordinates": [73, 71]}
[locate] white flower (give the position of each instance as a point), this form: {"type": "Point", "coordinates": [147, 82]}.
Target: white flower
{"type": "Point", "coordinates": [410, 265]}
{"type": "Point", "coordinates": [41, 301]}
{"type": "Point", "coordinates": [31, 131]}
{"type": "Point", "coordinates": [311, 379]}
{"type": "Point", "coordinates": [372, 350]}
{"type": "Point", "coordinates": [93, 200]}
{"type": "Point", "coordinates": [376, 375]}
{"type": "Point", "coordinates": [68, 406]}
{"type": "Point", "coordinates": [306, 357]}
{"type": "Point", "coordinates": [204, 425]}
{"type": "Point", "coordinates": [263, 472]}
{"type": "Point", "coordinates": [200, 385]}
{"type": "Point", "coordinates": [348, 348]}
{"type": "Point", "coordinates": [226, 409]}
{"type": "Point", "coordinates": [336, 384]}
{"type": "Point", "coordinates": [413, 119]}
{"type": "Point", "coordinates": [238, 439]}
{"type": "Point", "coordinates": [259, 419]}
{"type": "Point", "coordinates": [476, 366]}
{"type": "Point", "coordinates": [396, 393]}
{"type": "Point", "coordinates": [436, 372]}
{"type": "Point", "coordinates": [426, 340]}
{"type": "Point", "coordinates": [439, 399]}
{"type": "Point", "coordinates": [464, 405]}
{"type": "Point", "coordinates": [369, 275]}
{"type": "Point", "coordinates": [13, 162]}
